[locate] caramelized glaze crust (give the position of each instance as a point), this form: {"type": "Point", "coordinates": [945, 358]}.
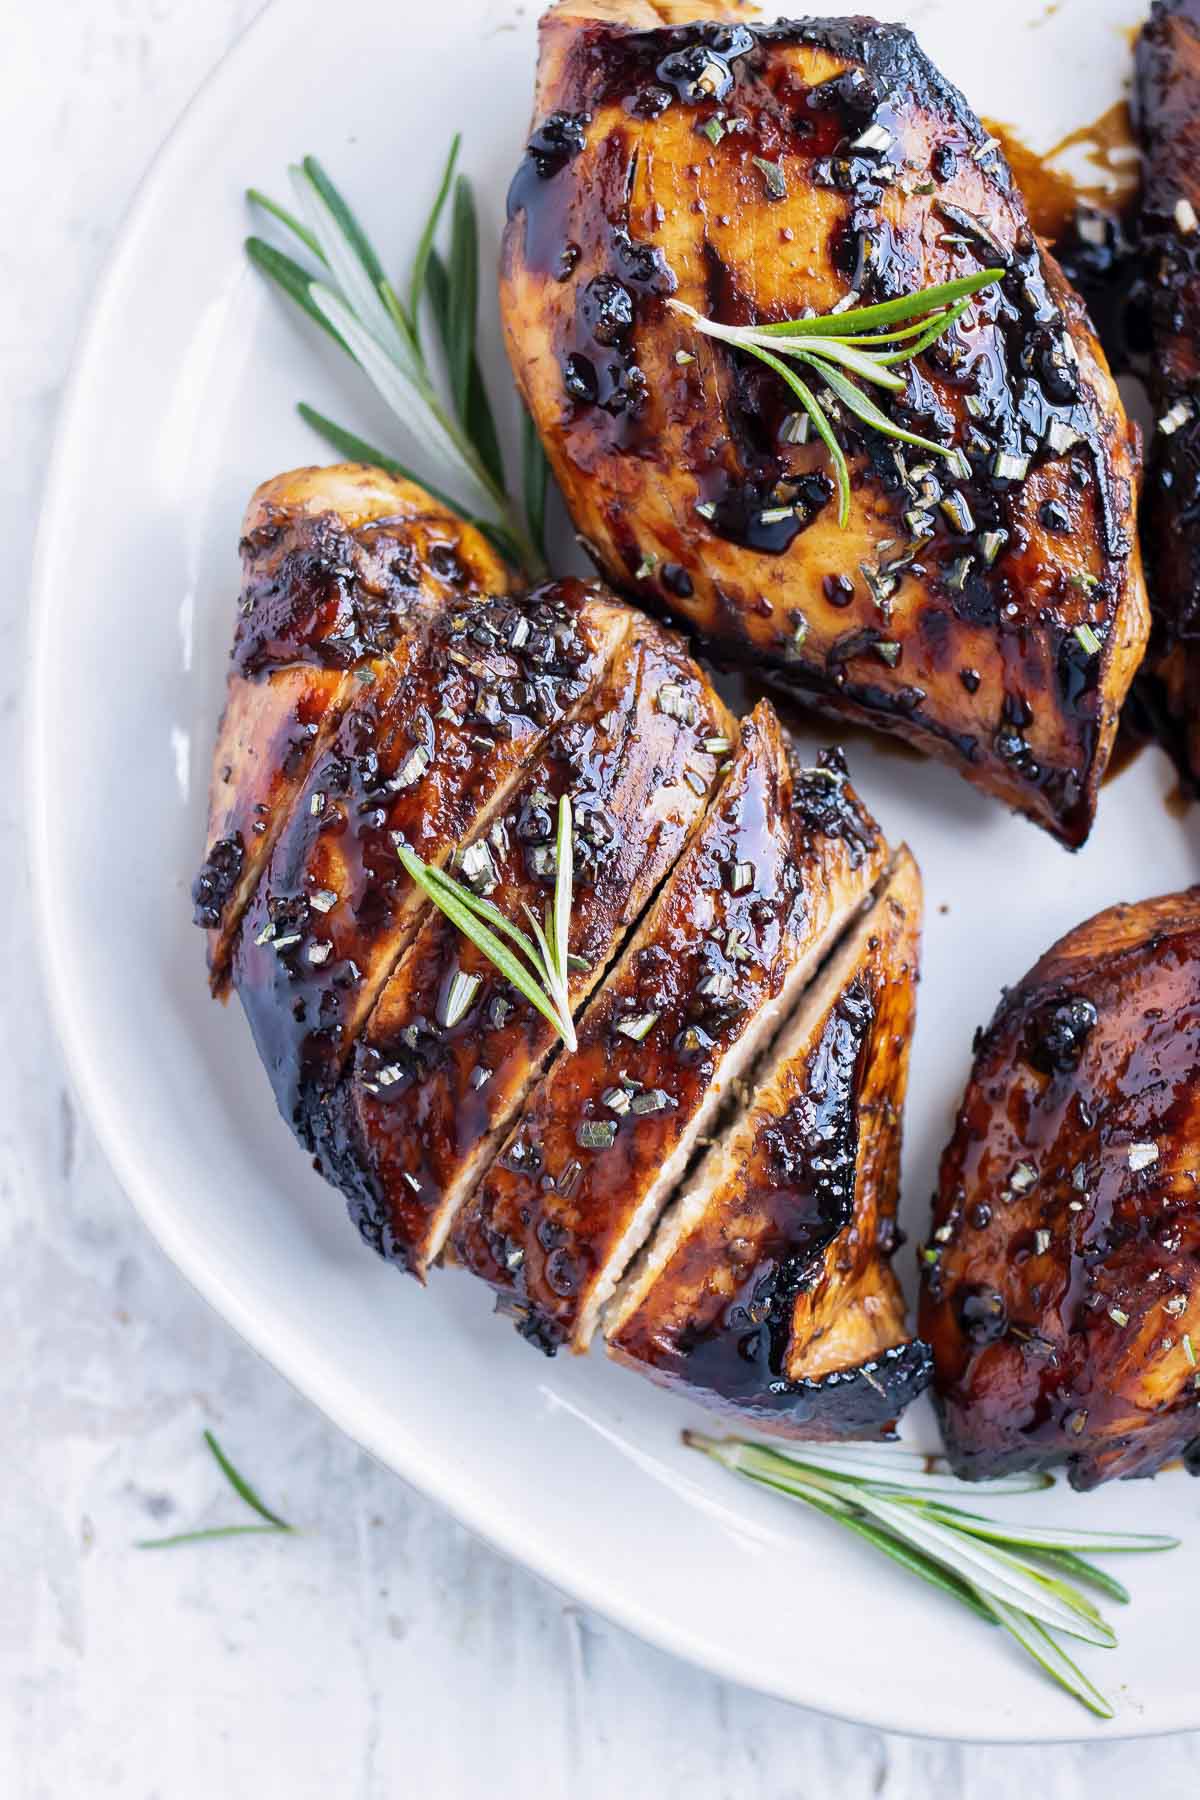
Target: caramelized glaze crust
{"type": "Point", "coordinates": [1168, 112]}
{"type": "Point", "coordinates": [768, 1284]}
{"type": "Point", "coordinates": [443, 735]}
{"type": "Point", "coordinates": [1062, 1282]}
{"type": "Point", "coordinates": [752, 171]}
{"type": "Point", "coordinates": [338, 564]}
{"type": "Point", "coordinates": [760, 892]}
{"type": "Point", "coordinates": [415, 1121]}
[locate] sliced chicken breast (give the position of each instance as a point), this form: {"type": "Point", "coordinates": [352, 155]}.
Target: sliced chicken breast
{"type": "Point", "coordinates": [418, 1115]}
{"type": "Point", "coordinates": [767, 1289]}
{"type": "Point", "coordinates": [763, 889]}
{"type": "Point", "coordinates": [338, 564]}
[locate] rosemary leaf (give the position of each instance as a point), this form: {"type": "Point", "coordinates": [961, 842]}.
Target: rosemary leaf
{"type": "Point", "coordinates": [352, 262]}
{"type": "Point", "coordinates": [865, 409]}
{"type": "Point", "coordinates": [906, 1470]}
{"type": "Point", "coordinates": [241, 1486]}
{"type": "Point", "coordinates": [821, 425]}
{"type": "Point", "coordinates": [345, 221]}
{"type": "Point", "coordinates": [564, 879]}
{"type": "Point", "coordinates": [938, 328]}
{"type": "Point", "coordinates": [480, 424]}
{"type": "Point", "coordinates": [827, 350]}
{"type": "Point", "coordinates": [484, 909]}
{"type": "Point", "coordinates": [295, 281]}
{"type": "Point", "coordinates": [888, 312]}
{"type": "Point", "coordinates": [257, 198]}
{"type": "Point", "coordinates": [1042, 1647]}
{"type": "Point", "coordinates": [215, 1531]}
{"type": "Point", "coordinates": [906, 1556]}
{"type": "Point", "coordinates": [1057, 1537]}
{"type": "Point", "coordinates": [416, 286]}
{"type": "Point", "coordinates": [410, 401]}
{"type": "Point", "coordinates": [535, 473]}
{"type": "Point", "coordinates": [462, 316]}
{"type": "Point", "coordinates": [484, 938]}
{"type": "Point", "coordinates": [478, 421]}
{"type": "Point", "coordinates": [1071, 1564]}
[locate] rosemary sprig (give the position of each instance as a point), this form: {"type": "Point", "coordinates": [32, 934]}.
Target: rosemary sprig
{"type": "Point", "coordinates": [868, 342]}
{"type": "Point", "coordinates": [1009, 1575]}
{"type": "Point", "coordinates": [545, 982]}
{"type": "Point", "coordinates": [273, 1523]}
{"type": "Point", "coordinates": [351, 298]}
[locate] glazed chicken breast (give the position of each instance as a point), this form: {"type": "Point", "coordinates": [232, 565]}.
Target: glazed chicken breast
{"type": "Point", "coordinates": [988, 607]}
{"type": "Point", "coordinates": [1062, 1280]}
{"type": "Point", "coordinates": [712, 878]}
{"type": "Point", "coordinates": [1168, 116]}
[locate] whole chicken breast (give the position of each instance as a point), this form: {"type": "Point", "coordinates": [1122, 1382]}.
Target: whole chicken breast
{"type": "Point", "coordinates": [1168, 113]}
{"type": "Point", "coordinates": [1061, 1288]}
{"type": "Point", "coordinates": [991, 609]}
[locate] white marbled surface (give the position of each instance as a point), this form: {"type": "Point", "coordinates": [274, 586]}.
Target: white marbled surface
{"type": "Point", "coordinates": [383, 1652]}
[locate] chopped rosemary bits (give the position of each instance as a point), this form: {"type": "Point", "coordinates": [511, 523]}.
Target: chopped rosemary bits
{"type": "Point", "coordinates": [1008, 465]}
{"type": "Point", "coordinates": [596, 1134]}
{"type": "Point", "coordinates": [773, 176]}
{"type": "Point", "coordinates": [849, 346]}
{"type": "Point", "coordinates": [1087, 640]}
{"type": "Point", "coordinates": [459, 999]}
{"type": "Point", "coordinates": [638, 1027]}
{"type": "Point", "coordinates": [676, 702]}
{"type": "Point", "coordinates": [1019, 1576]}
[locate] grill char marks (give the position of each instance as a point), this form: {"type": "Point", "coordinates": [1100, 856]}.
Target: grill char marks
{"type": "Point", "coordinates": [1062, 1286]}
{"type": "Point", "coordinates": [338, 563]}
{"type": "Point", "coordinates": [754, 902]}
{"type": "Point", "coordinates": [1168, 112]}
{"type": "Point", "coordinates": [431, 752]}
{"type": "Point", "coordinates": [958, 634]}
{"type": "Point", "coordinates": [767, 1289]}
{"type": "Point", "coordinates": [416, 1119]}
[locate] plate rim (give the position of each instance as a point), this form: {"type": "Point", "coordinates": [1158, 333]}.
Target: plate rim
{"type": "Point", "coordinates": [331, 1393]}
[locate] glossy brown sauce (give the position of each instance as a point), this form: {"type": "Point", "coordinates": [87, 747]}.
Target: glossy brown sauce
{"type": "Point", "coordinates": [1053, 193]}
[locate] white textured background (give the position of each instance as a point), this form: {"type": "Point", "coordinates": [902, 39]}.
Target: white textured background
{"type": "Point", "coordinates": [383, 1653]}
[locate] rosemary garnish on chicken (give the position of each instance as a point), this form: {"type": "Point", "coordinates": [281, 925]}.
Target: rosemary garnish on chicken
{"type": "Point", "coordinates": [449, 416]}
{"type": "Point", "coordinates": [1009, 1575]}
{"type": "Point", "coordinates": [866, 341]}
{"type": "Point", "coordinates": [545, 982]}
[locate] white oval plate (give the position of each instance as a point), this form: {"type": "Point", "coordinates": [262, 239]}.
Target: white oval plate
{"type": "Point", "coordinates": [181, 402]}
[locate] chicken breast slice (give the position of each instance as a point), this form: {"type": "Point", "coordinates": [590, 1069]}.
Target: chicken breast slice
{"type": "Point", "coordinates": [443, 736]}
{"type": "Point", "coordinates": [767, 1289]}
{"type": "Point", "coordinates": [762, 890]}
{"type": "Point", "coordinates": [419, 1113]}
{"type": "Point", "coordinates": [990, 609]}
{"type": "Point", "coordinates": [338, 563]}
